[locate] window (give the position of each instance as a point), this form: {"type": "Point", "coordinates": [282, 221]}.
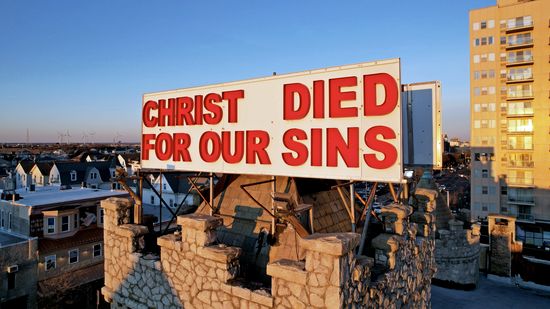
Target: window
{"type": "Point", "coordinates": [93, 175]}
{"type": "Point", "coordinates": [491, 107]}
{"type": "Point", "coordinates": [477, 91]}
{"type": "Point", "coordinates": [101, 215]}
{"type": "Point", "coordinates": [476, 26]}
{"type": "Point", "coordinates": [491, 56]}
{"type": "Point", "coordinates": [520, 125]}
{"type": "Point", "coordinates": [97, 250]}
{"type": "Point", "coordinates": [163, 186]}
{"type": "Point", "coordinates": [484, 207]}
{"type": "Point", "coordinates": [520, 108]}
{"type": "Point", "coordinates": [11, 281]}
{"type": "Point", "coordinates": [50, 225]}
{"type": "Point", "coordinates": [484, 190]}
{"type": "Point", "coordinates": [476, 58]}
{"type": "Point", "coordinates": [504, 190]}
{"type": "Point", "coordinates": [484, 173]}
{"type": "Point", "coordinates": [477, 124]}
{"type": "Point", "coordinates": [73, 256]}
{"type": "Point", "coordinates": [492, 90]}
{"type": "Point", "coordinates": [9, 221]}
{"type": "Point", "coordinates": [520, 142]}
{"type": "Point", "coordinates": [75, 221]}
{"type": "Point", "coordinates": [50, 262]}
{"type": "Point", "coordinates": [483, 24]}
{"type": "Point", "coordinates": [477, 107]}
{"type": "Point", "coordinates": [64, 223]}
{"type": "Point", "coordinates": [152, 200]}
{"type": "Point", "coordinates": [476, 75]}
{"type": "Point", "coordinates": [73, 175]}
{"type": "Point", "coordinates": [491, 23]}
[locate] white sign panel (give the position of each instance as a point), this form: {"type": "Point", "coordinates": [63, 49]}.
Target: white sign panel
{"type": "Point", "coordinates": [422, 142]}
{"type": "Point", "coordinates": [334, 123]}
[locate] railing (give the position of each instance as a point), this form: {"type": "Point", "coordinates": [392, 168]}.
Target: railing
{"type": "Point", "coordinates": [520, 181]}
{"type": "Point", "coordinates": [521, 163]}
{"type": "Point", "coordinates": [521, 199]}
{"type": "Point", "coordinates": [527, 217]}
{"type": "Point", "coordinates": [519, 59]}
{"type": "Point", "coordinates": [519, 25]}
{"type": "Point", "coordinates": [519, 77]}
{"type": "Point", "coordinates": [520, 94]}
{"type": "Point", "coordinates": [519, 147]}
{"type": "Point", "coordinates": [520, 41]}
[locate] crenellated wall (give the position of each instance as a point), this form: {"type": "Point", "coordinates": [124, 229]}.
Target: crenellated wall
{"type": "Point", "coordinates": [194, 271]}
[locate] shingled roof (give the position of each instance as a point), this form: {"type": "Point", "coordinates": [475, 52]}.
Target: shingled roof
{"type": "Point", "coordinates": [27, 165]}
{"type": "Point", "coordinates": [44, 167]}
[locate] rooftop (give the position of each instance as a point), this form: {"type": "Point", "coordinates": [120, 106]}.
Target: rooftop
{"type": "Point", "coordinates": [10, 239]}
{"type": "Point", "coordinates": [52, 195]}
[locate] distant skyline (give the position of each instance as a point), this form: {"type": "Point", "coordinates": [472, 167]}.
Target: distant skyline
{"type": "Point", "coordinates": [83, 67]}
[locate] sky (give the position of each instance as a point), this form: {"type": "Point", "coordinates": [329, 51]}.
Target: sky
{"type": "Point", "coordinates": [82, 66]}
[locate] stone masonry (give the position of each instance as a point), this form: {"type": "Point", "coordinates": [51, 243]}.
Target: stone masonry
{"type": "Point", "coordinates": [194, 271]}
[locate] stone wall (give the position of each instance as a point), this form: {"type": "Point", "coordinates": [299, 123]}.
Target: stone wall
{"type": "Point", "coordinates": [502, 242]}
{"type": "Point", "coordinates": [457, 255]}
{"type": "Point", "coordinates": [194, 271]}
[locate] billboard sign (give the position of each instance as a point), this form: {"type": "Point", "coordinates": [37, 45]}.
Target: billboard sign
{"type": "Point", "coordinates": [335, 123]}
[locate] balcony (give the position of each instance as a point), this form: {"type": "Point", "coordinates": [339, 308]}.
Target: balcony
{"type": "Point", "coordinates": [525, 217]}
{"type": "Point", "coordinates": [521, 200]}
{"type": "Point", "coordinates": [520, 95]}
{"type": "Point", "coordinates": [520, 181]}
{"type": "Point", "coordinates": [521, 164]}
{"type": "Point", "coordinates": [519, 26]}
{"type": "Point", "coordinates": [519, 60]}
{"type": "Point", "coordinates": [519, 78]}
{"type": "Point", "coordinates": [519, 43]}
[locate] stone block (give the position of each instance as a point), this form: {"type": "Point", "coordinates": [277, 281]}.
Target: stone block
{"type": "Point", "coordinates": [292, 271]}
{"type": "Point", "coordinates": [241, 292]}
{"type": "Point", "coordinates": [336, 244]}
{"type": "Point", "coordinates": [167, 241]}
{"type": "Point", "coordinates": [131, 230]}
{"type": "Point", "coordinates": [199, 222]}
{"type": "Point", "coordinates": [219, 253]}
{"type": "Point", "coordinates": [262, 298]}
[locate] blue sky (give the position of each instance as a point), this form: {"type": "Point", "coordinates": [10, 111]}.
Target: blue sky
{"type": "Point", "coordinates": [83, 66]}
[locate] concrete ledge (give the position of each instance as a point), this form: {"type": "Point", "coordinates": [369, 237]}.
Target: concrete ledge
{"type": "Point", "coordinates": [288, 270]}
{"type": "Point", "coordinates": [331, 243]}
{"type": "Point", "coordinates": [218, 253]}
{"type": "Point", "coordinates": [429, 194]}
{"type": "Point", "coordinates": [386, 242]}
{"type": "Point", "coordinates": [131, 230]}
{"type": "Point", "coordinates": [116, 203]}
{"type": "Point", "coordinates": [199, 222]}
{"type": "Point", "coordinates": [262, 298]}
{"type": "Point", "coordinates": [167, 241]}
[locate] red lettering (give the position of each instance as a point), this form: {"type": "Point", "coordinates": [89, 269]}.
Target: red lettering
{"type": "Point", "coordinates": [214, 139]}
{"type": "Point", "coordinates": [198, 109]}
{"type": "Point", "coordinates": [216, 111]}
{"type": "Point", "coordinates": [181, 147]}
{"type": "Point", "coordinates": [147, 146]}
{"type": "Point", "coordinates": [238, 153]}
{"type": "Point", "coordinates": [336, 96]}
{"type": "Point", "coordinates": [387, 149]}
{"type": "Point", "coordinates": [289, 140]}
{"type": "Point", "coordinates": [148, 120]}
{"type": "Point", "coordinates": [184, 106]}
{"type": "Point", "coordinates": [289, 113]}
{"type": "Point", "coordinates": [163, 146]}
{"type": "Point", "coordinates": [337, 145]}
{"type": "Point", "coordinates": [370, 101]}
{"type": "Point", "coordinates": [318, 99]}
{"type": "Point", "coordinates": [316, 147]}
{"type": "Point", "coordinates": [256, 144]}
{"type": "Point", "coordinates": [166, 112]}
{"type": "Point", "coordinates": [232, 98]}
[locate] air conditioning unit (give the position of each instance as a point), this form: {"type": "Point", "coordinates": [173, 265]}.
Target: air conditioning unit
{"type": "Point", "coordinates": [13, 269]}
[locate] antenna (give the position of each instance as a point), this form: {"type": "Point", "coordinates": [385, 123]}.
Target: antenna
{"type": "Point", "coordinates": [84, 137]}
{"type": "Point", "coordinates": [68, 135]}
{"type": "Point", "coordinates": [28, 136]}
{"type": "Point", "coordinates": [117, 138]}
{"type": "Point", "coordinates": [92, 134]}
{"type": "Point", "coordinates": [60, 136]}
